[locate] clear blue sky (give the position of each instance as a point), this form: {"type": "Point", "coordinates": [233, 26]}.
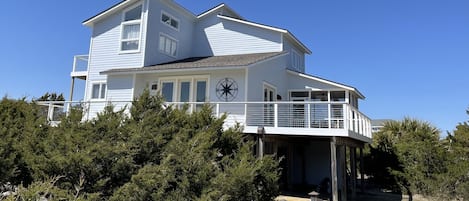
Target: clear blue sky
{"type": "Point", "coordinates": [409, 57]}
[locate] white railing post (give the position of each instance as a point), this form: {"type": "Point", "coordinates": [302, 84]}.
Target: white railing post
{"type": "Point", "coordinates": [329, 116]}
{"type": "Point", "coordinates": [345, 115]}
{"type": "Point", "coordinates": [74, 63]}
{"type": "Point", "coordinates": [50, 112]}
{"type": "Point", "coordinates": [309, 115]}
{"type": "Point", "coordinates": [217, 110]}
{"type": "Point", "coordinates": [276, 115]}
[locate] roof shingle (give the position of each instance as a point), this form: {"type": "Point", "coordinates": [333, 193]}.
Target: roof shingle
{"type": "Point", "coordinates": [202, 62]}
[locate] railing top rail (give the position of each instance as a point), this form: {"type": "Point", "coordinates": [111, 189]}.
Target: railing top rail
{"type": "Point", "coordinates": [82, 56]}
{"type": "Point", "coordinates": [240, 102]}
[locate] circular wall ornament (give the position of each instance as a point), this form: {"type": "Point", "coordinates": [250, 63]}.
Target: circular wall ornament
{"type": "Point", "coordinates": [226, 89]}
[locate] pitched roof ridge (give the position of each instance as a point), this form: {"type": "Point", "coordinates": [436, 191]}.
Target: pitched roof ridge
{"type": "Point", "coordinates": [221, 5]}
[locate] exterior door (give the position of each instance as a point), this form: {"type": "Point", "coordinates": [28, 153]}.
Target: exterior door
{"type": "Point", "coordinates": [269, 96]}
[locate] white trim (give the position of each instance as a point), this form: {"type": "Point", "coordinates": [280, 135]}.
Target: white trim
{"type": "Point", "coordinates": [253, 24]}
{"type": "Point", "coordinates": [283, 31]}
{"type": "Point", "coordinates": [90, 22]}
{"type": "Point", "coordinates": [132, 22]}
{"type": "Point", "coordinates": [267, 85]}
{"type": "Point", "coordinates": [176, 80]}
{"type": "Point", "coordinates": [216, 8]}
{"type": "Point", "coordinates": [87, 82]}
{"type": "Point", "coordinates": [145, 28]}
{"type": "Point", "coordinates": [171, 17]}
{"type": "Point", "coordinates": [164, 51]}
{"type": "Point", "coordinates": [267, 59]}
{"type": "Point", "coordinates": [174, 70]}
{"type": "Point", "coordinates": [246, 84]}
{"type": "Point", "coordinates": [100, 83]}
{"type": "Point", "coordinates": [134, 82]}
{"type": "Point", "coordinates": [326, 82]}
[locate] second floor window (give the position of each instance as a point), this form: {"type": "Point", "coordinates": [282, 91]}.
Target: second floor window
{"type": "Point", "coordinates": [169, 20]}
{"type": "Point", "coordinates": [168, 45]}
{"type": "Point", "coordinates": [296, 61]}
{"type": "Point", "coordinates": [130, 35]}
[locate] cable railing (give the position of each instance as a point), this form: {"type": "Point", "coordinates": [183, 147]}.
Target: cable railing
{"type": "Point", "coordinates": [298, 115]}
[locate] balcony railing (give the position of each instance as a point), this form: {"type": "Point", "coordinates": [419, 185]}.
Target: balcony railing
{"type": "Point", "coordinates": [310, 118]}
{"type": "Point", "coordinates": [80, 66]}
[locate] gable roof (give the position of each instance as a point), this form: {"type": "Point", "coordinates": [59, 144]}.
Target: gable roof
{"type": "Point", "coordinates": [326, 81]}
{"type": "Point", "coordinates": [285, 32]}
{"type": "Point", "coordinates": [242, 60]}
{"type": "Point", "coordinates": [124, 3]}
{"type": "Point", "coordinates": [218, 7]}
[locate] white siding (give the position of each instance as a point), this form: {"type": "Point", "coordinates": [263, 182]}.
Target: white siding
{"type": "Point", "coordinates": [215, 36]}
{"type": "Point", "coordinates": [297, 83]}
{"type": "Point", "coordinates": [119, 91]}
{"type": "Point", "coordinates": [271, 72]}
{"type": "Point", "coordinates": [289, 47]}
{"type": "Point", "coordinates": [143, 81]}
{"type": "Point", "coordinates": [104, 51]}
{"type": "Point", "coordinates": [155, 27]}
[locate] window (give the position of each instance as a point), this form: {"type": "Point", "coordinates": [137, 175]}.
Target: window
{"type": "Point", "coordinates": [338, 96]}
{"type": "Point", "coordinates": [130, 34]}
{"type": "Point", "coordinates": [168, 45]}
{"type": "Point", "coordinates": [201, 91]}
{"type": "Point", "coordinates": [296, 60]}
{"type": "Point", "coordinates": [167, 91]}
{"type": "Point", "coordinates": [98, 91]}
{"type": "Point", "coordinates": [169, 20]}
{"type": "Point", "coordinates": [184, 89]}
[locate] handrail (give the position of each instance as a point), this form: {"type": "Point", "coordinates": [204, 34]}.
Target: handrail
{"type": "Point", "coordinates": [275, 114]}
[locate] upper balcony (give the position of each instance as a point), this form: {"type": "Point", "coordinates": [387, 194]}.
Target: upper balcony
{"type": "Point", "coordinates": [80, 67]}
{"type": "Point", "coordinates": [321, 119]}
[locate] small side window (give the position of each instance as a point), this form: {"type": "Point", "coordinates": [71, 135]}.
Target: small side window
{"type": "Point", "coordinates": [98, 91]}
{"type": "Point", "coordinates": [169, 20]}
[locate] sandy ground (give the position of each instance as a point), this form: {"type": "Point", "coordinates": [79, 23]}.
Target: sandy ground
{"type": "Point", "coordinates": [370, 195]}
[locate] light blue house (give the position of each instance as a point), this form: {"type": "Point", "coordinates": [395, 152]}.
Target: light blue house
{"type": "Point", "coordinates": [253, 72]}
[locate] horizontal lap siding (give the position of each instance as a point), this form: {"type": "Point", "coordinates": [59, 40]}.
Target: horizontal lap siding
{"type": "Point", "coordinates": [119, 91]}
{"type": "Point", "coordinates": [104, 53]}
{"type": "Point", "coordinates": [155, 27]}
{"type": "Point", "coordinates": [215, 36]}
{"type": "Point", "coordinates": [272, 72]}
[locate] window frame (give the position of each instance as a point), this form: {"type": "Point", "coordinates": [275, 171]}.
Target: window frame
{"type": "Point", "coordinates": [171, 17]}
{"type": "Point", "coordinates": [129, 23]}
{"type": "Point", "coordinates": [296, 61]}
{"type": "Point", "coordinates": [192, 89]}
{"type": "Point", "coordinates": [166, 36]}
{"type": "Point", "coordinates": [100, 89]}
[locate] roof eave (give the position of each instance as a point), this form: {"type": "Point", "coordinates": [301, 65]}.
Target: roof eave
{"type": "Point", "coordinates": [219, 6]}
{"type": "Point", "coordinates": [283, 31]}
{"type": "Point", "coordinates": [343, 86]}
{"type": "Point", "coordinates": [298, 42]}
{"type": "Point", "coordinates": [90, 21]}
{"type": "Point", "coordinates": [143, 71]}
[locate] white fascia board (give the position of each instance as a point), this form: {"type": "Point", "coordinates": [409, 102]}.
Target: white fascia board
{"type": "Point", "coordinates": [253, 24]}
{"type": "Point", "coordinates": [173, 70]}
{"type": "Point", "coordinates": [208, 12]}
{"type": "Point", "coordinates": [268, 59]}
{"type": "Point", "coordinates": [177, 6]}
{"type": "Point", "coordinates": [89, 22]}
{"type": "Point", "coordinates": [299, 43]}
{"type": "Point", "coordinates": [327, 82]}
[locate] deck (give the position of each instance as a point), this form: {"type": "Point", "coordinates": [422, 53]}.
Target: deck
{"type": "Point", "coordinates": [278, 118]}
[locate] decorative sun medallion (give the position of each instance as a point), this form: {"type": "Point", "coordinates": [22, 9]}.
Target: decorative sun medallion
{"type": "Point", "coordinates": [226, 89]}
